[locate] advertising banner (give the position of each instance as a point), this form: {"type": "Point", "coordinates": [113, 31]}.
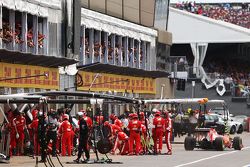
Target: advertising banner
{"type": "Point", "coordinates": [17, 70]}
{"type": "Point", "coordinates": [119, 83]}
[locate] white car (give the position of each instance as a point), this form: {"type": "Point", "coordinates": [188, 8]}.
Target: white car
{"type": "Point", "coordinates": [242, 119]}
{"type": "Point", "coordinates": [233, 126]}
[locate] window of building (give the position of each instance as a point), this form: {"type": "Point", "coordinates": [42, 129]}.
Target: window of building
{"type": "Point", "coordinates": [111, 48]}
{"type": "Point", "coordinates": [18, 33]}
{"type": "Point", "coordinates": [30, 34]}
{"type": "Point", "coordinates": [41, 35]}
{"type": "Point", "coordinates": [103, 46]}
{"type": "Point", "coordinates": [87, 47]}
{"type": "Point", "coordinates": [7, 29]}
{"type": "Point", "coordinates": [97, 46]}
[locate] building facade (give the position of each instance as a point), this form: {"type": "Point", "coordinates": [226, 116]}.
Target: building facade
{"type": "Point", "coordinates": [125, 39]}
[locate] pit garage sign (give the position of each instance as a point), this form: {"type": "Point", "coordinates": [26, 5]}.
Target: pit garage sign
{"type": "Point", "coordinates": [17, 70]}
{"type": "Point", "coordinates": [119, 83]}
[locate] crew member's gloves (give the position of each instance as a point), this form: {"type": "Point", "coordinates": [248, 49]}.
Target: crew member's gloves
{"type": "Point", "coordinates": [17, 136]}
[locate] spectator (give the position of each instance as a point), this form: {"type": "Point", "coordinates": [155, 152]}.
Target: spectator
{"type": "Point", "coordinates": [238, 15]}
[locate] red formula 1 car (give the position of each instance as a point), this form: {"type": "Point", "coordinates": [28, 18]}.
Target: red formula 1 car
{"type": "Point", "coordinates": [208, 138]}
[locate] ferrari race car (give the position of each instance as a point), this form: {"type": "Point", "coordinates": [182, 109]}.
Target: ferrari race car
{"type": "Point", "coordinates": [208, 138]}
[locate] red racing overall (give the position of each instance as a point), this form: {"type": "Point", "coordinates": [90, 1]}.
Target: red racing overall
{"type": "Point", "coordinates": [20, 124]}
{"type": "Point", "coordinates": [168, 135]}
{"type": "Point", "coordinates": [158, 122]}
{"type": "Point", "coordinates": [134, 127]}
{"type": "Point", "coordinates": [66, 131]}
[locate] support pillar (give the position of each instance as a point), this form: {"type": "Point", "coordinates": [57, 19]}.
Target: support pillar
{"type": "Point", "coordinates": [106, 47]}
{"type": "Point", "coordinates": [199, 51]}
{"type": "Point", "coordinates": [126, 52]}
{"type": "Point", "coordinates": [91, 45]}
{"type": "Point", "coordinates": [35, 34]}
{"type": "Point", "coordinates": [24, 31]}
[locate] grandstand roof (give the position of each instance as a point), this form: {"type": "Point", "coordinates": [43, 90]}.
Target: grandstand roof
{"type": "Point", "coordinates": [187, 27]}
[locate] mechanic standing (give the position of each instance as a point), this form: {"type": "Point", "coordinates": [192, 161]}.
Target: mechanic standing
{"type": "Point", "coordinates": [193, 121]}
{"type": "Point", "coordinates": [158, 130]}
{"type": "Point", "coordinates": [34, 127]}
{"type": "Point", "coordinates": [87, 119]}
{"type": "Point", "coordinates": [20, 125]}
{"type": "Point", "coordinates": [52, 130]}
{"type": "Point", "coordinates": [168, 132]}
{"type": "Point", "coordinates": [83, 138]}
{"type": "Point", "coordinates": [66, 130]}
{"type": "Point", "coordinates": [134, 128]}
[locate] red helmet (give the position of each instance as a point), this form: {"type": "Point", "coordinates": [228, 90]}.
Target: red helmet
{"type": "Point", "coordinates": [135, 115]}
{"type": "Point", "coordinates": [142, 114]}
{"type": "Point", "coordinates": [157, 113]}
{"type": "Point", "coordinates": [130, 115]}
{"type": "Point", "coordinates": [112, 116]}
{"type": "Point", "coordinates": [106, 123]}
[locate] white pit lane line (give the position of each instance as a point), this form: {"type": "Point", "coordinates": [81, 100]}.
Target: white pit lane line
{"type": "Point", "coordinates": [215, 156]}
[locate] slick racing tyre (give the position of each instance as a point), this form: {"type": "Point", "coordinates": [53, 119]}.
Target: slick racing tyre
{"type": "Point", "coordinates": [104, 146]}
{"type": "Point", "coordinates": [189, 143]}
{"type": "Point", "coordinates": [237, 143]}
{"type": "Point", "coordinates": [233, 130]}
{"type": "Point", "coordinates": [240, 130]}
{"type": "Point", "coordinates": [219, 144]}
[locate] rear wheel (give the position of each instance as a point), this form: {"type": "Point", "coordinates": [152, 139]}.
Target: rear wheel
{"type": "Point", "coordinates": [240, 130]}
{"type": "Point", "coordinates": [219, 144]}
{"type": "Point", "coordinates": [233, 130]}
{"type": "Point", "coordinates": [237, 143]}
{"type": "Point", "coordinates": [189, 143]}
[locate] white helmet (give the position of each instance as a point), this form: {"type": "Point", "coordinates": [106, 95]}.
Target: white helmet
{"type": "Point", "coordinates": [154, 110]}
{"type": "Point", "coordinates": [80, 114]}
{"type": "Point", "coordinates": [65, 116]}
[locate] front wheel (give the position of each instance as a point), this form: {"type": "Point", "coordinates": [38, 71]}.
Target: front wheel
{"type": "Point", "coordinates": [237, 143]}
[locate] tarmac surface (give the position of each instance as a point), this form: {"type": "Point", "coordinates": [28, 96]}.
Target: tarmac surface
{"type": "Point", "coordinates": [180, 158]}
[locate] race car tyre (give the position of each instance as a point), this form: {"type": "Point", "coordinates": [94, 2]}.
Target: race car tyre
{"type": "Point", "coordinates": [189, 143]}
{"type": "Point", "coordinates": [233, 130]}
{"type": "Point", "coordinates": [104, 146]}
{"type": "Point", "coordinates": [219, 144]}
{"type": "Point", "coordinates": [237, 143]}
{"type": "Point", "coordinates": [240, 130]}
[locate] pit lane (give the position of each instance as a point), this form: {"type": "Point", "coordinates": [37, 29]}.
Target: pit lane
{"type": "Point", "coordinates": [180, 158]}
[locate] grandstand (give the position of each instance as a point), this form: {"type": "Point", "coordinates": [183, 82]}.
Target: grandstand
{"type": "Point", "coordinates": [213, 46]}
{"type": "Point", "coordinates": [235, 13]}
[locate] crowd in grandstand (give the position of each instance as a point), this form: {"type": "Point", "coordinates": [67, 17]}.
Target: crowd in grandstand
{"type": "Point", "coordinates": [238, 15]}
{"type": "Point", "coordinates": [236, 74]}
